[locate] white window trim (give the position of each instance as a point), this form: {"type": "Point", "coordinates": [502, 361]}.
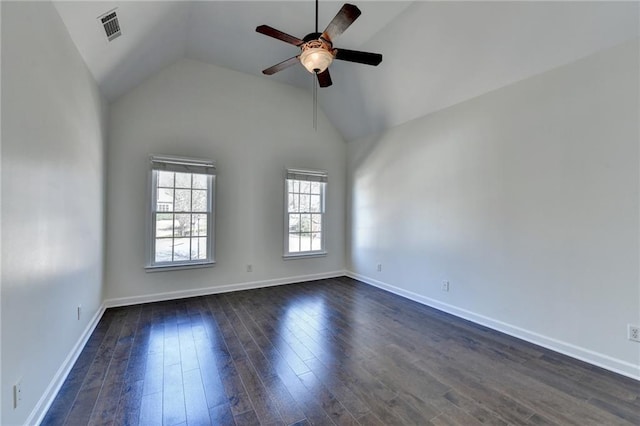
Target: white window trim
{"type": "Point", "coordinates": [322, 176]}
{"type": "Point", "coordinates": [305, 255]}
{"type": "Point", "coordinates": [187, 165]}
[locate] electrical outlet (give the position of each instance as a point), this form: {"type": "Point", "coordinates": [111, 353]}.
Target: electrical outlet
{"type": "Point", "coordinates": [633, 333]}
{"type": "Point", "coordinates": [17, 394]}
{"type": "Point", "coordinates": [445, 286]}
{"type": "Point", "coordinates": [379, 267]}
{"type": "Point", "coordinates": [79, 311]}
{"type": "Point", "coordinates": [249, 268]}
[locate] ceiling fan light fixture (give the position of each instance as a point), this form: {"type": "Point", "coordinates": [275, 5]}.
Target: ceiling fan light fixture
{"type": "Point", "coordinates": [316, 56]}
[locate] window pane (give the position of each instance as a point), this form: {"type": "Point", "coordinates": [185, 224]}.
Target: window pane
{"type": "Point", "coordinates": [165, 179]}
{"type": "Point", "coordinates": [181, 250]}
{"type": "Point", "coordinates": [294, 223]}
{"type": "Point", "coordinates": [183, 180]}
{"type": "Point", "coordinates": [304, 203]}
{"type": "Point", "coordinates": [164, 201]}
{"type": "Point", "coordinates": [163, 250]}
{"type": "Point", "coordinates": [182, 225]}
{"type": "Point", "coordinates": [315, 187]}
{"type": "Point", "coordinates": [164, 225]}
{"type": "Point", "coordinates": [293, 202]}
{"type": "Point", "coordinates": [199, 225]}
{"type": "Point", "coordinates": [305, 242]}
{"type": "Point", "coordinates": [305, 223]}
{"type": "Point", "coordinates": [296, 186]}
{"type": "Point", "coordinates": [199, 201]}
{"type": "Point", "coordinates": [316, 223]}
{"type": "Point", "coordinates": [183, 200]}
{"type": "Point", "coordinates": [199, 248]}
{"type": "Point", "coordinates": [294, 243]}
{"type": "Point", "coordinates": [305, 187]}
{"type": "Point", "coordinates": [315, 204]}
{"type": "Point", "coordinates": [316, 241]}
{"type": "Point", "coordinates": [200, 181]}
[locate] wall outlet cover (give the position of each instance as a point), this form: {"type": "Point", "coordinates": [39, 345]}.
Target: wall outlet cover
{"type": "Point", "coordinates": [633, 333]}
{"type": "Point", "coordinates": [17, 394]}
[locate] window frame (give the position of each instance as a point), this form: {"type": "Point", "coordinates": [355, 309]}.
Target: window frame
{"type": "Point", "coordinates": [180, 165]}
{"type": "Point", "coordinates": [309, 176]}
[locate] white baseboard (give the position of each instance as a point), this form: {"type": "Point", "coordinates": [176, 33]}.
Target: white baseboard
{"type": "Point", "coordinates": [601, 360]}
{"type": "Point", "coordinates": [43, 405]}
{"type": "Point", "coordinates": [171, 295]}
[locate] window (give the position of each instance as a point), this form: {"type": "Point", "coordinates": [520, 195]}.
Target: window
{"type": "Point", "coordinates": [305, 206]}
{"type": "Point", "coordinates": [182, 214]}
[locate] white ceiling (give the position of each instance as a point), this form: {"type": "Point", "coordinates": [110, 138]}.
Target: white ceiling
{"type": "Point", "coordinates": [436, 54]}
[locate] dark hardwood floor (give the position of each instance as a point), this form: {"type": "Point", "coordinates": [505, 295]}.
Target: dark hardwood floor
{"type": "Point", "coordinates": [326, 352]}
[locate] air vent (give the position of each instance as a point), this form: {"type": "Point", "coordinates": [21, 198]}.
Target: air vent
{"type": "Point", "coordinates": [111, 25]}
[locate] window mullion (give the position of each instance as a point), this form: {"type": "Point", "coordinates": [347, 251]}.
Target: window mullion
{"type": "Point", "coordinates": [153, 233]}
{"type": "Point", "coordinates": [190, 217]}
{"type": "Point", "coordinates": [173, 222]}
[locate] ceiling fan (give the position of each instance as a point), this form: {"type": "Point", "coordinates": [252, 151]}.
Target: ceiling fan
{"type": "Point", "coordinates": [316, 49]}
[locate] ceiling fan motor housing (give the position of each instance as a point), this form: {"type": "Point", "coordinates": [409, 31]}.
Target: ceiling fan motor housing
{"type": "Point", "coordinates": [317, 54]}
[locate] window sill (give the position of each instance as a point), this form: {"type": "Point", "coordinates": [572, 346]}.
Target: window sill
{"type": "Point", "coordinates": [178, 267]}
{"type": "Point", "coordinates": [304, 255]}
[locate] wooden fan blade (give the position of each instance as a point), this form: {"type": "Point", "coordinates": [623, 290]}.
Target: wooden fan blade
{"type": "Point", "coordinates": [341, 21]}
{"type": "Point", "coordinates": [282, 65]}
{"type": "Point", "coordinates": [359, 57]}
{"type": "Point", "coordinates": [324, 78]}
{"type": "Point", "coordinates": [272, 32]}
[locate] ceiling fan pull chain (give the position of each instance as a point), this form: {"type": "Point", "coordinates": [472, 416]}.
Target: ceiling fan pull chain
{"type": "Point", "coordinates": [315, 103]}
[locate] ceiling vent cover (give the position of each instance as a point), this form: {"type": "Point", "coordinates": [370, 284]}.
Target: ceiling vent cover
{"type": "Point", "coordinates": [111, 25]}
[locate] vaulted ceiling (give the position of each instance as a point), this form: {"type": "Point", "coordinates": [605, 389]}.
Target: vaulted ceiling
{"type": "Point", "coordinates": [436, 54]}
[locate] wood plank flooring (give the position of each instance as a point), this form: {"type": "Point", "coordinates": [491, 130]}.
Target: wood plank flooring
{"type": "Point", "coordinates": [325, 352]}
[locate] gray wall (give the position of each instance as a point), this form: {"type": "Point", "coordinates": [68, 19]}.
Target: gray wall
{"type": "Point", "coordinates": [53, 121]}
{"type": "Point", "coordinates": [525, 199]}
{"type": "Point", "coordinates": [253, 129]}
